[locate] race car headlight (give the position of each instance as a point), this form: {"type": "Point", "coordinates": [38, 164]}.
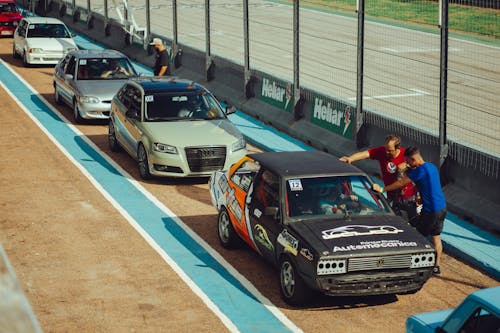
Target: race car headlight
{"type": "Point", "coordinates": [15, 23]}
{"type": "Point", "coordinates": [89, 99]}
{"type": "Point", "coordinates": [423, 260]}
{"type": "Point", "coordinates": [163, 148]}
{"type": "Point", "coordinates": [70, 49]}
{"type": "Point", "coordinates": [238, 145]}
{"type": "Point", "coordinates": [36, 50]}
{"type": "Point", "coordinates": [331, 266]}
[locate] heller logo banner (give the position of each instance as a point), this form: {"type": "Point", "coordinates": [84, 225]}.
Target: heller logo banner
{"type": "Point", "coordinates": [333, 115]}
{"type": "Point", "coordinates": [277, 93]}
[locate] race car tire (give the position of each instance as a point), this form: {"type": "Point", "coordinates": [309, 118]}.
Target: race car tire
{"type": "Point", "coordinates": [293, 289]}
{"type": "Point", "coordinates": [225, 230]}
{"type": "Point", "coordinates": [142, 160]}
{"type": "Point", "coordinates": [15, 55]}
{"type": "Point", "coordinates": [113, 143]}
{"type": "Point", "coordinates": [57, 97]}
{"type": "Point", "coordinates": [25, 60]}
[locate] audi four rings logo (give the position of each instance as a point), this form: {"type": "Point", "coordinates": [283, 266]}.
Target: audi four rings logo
{"type": "Point", "coordinates": [205, 152]}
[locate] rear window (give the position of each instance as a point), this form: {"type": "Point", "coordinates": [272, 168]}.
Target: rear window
{"type": "Point", "coordinates": [8, 8]}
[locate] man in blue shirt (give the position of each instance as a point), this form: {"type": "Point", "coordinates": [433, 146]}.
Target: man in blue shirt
{"type": "Point", "coordinates": [425, 175]}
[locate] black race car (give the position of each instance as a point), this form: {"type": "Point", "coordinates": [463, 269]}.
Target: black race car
{"type": "Point", "coordinates": [318, 220]}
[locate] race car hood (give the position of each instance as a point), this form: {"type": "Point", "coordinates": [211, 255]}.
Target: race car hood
{"type": "Point", "coordinates": [193, 133]}
{"type": "Point", "coordinates": [7, 17]}
{"type": "Point", "coordinates": [361, 236]}
{"type": "Point", "coordinates": [104, 89]}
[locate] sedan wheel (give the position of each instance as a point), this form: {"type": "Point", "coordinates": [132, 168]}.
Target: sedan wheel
{"type": "Point", "coordinates": [25, 60]}
{"type": "Point", "coordinates": [293, 289]}
{"type": "Point", "coordinates": [114, 145]}
{"type": "Point", "coordinates": [227, 236]}
{"type": "Point", "coordinates": [57, 97]}
{"type": "Point", "coordinates": [142, 159]}
{"type": "Point", "coordinates": [76, 113]}
{"type": "Point", "coordinates": [14, 53]}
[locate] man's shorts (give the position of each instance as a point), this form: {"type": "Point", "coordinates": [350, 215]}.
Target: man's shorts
{"type": "Point", "coordinates": [431, 224]}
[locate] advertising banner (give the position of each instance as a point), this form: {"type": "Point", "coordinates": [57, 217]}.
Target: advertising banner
{"type": "Point", "coordinates": [335, 116]}
{"type": "Point", "coordinates": [277, 93]}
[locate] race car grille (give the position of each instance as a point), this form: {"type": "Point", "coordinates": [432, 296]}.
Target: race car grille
{"type": "Point", "coordinates": [7, 24]}
{"type": "Point", "coordinates": [202, 159]}
{"type": "Point", "coordinates": [386, 262]}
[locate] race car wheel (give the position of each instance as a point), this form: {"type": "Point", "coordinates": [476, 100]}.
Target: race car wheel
{"type": "Point", "coordinates": [114, 145]}
{"type": "Point", "coordinates": [227, 236]}
{"type": "Point", "coordinates": [76, 113]}
{"type": "Point", "coordinates": [293, 289]}
{"type": "Point", "coordinates": [142, 159]}
{"type": "Point", "coordinates": [25, 60]}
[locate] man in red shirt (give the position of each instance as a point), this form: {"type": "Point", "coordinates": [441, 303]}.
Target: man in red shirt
{"type": "Point", "coordinates": [389, 157]}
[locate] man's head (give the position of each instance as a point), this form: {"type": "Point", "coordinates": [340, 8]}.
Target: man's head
{"type": "Point", "coordinates": [157, 43]}
{"type": "Point", "coordinates": [391, 144]}
{"type": "Point", "coordinates": [413, 157]}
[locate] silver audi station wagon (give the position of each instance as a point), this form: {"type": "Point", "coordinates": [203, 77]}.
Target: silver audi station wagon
{"type": "Point", "coordinates": [173, 128]}
{"type": "Point", "coordinates": [87, 80]}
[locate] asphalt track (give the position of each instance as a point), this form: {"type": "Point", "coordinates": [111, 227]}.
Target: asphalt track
{"type": "Point", "coordinates": [401, 64]}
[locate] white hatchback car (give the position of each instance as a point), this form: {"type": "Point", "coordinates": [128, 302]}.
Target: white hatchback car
{"type": "Point", "coordinates": [42, 40]}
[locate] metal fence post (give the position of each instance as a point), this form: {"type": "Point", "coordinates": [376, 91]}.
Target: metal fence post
{"type": "Point", "coordinates": [145, 41]}
{"type": "Point", "coordinates": [209, 64]}
{"type": "Point", "coordinates": [358, 133]}
{"type": "Point", "coordinates": [297, 103]}
{"type": "Point", "coordinates": [174, 21]}
{"type": "Point", "coordinates": [246, 40]}
{"type": "Point", "coordinates": [443, 80]}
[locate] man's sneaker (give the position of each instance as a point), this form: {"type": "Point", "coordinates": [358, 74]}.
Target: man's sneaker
{"type": "Point", "coordinates": [436, 270]}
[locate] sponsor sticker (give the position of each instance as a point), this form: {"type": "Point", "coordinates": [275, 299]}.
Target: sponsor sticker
{"type": "Point", "coordinates": [295, 185]}
{"type": "Point", "coordinates": [257, 213]}
{"type": "Point", "coordinates": [307, 254]}
{"type": "Point", "coordinates": [374, 245]}
{"type": "Point", "coordinates": [260, 235]}
{"type": "Point", "coordinates": [359, 230]}
{"type": "Point", "coordinates": [289, 242]}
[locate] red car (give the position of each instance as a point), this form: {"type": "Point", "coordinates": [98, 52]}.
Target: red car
{"type": "Point", "coordinates": [10, 15]}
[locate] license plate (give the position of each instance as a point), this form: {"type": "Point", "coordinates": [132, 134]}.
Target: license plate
{"type": "Point", "coordinates": [6, 32]}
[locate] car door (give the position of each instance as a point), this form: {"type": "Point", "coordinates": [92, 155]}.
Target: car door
{"type": "Point", "coordinates": [126, 113]}
{"type": "Point", "coordinates": [264, 213]}
{"type": "Point", "coordinates": [66, 83]}
{"type": "Point", "coordinates": [19, 37]}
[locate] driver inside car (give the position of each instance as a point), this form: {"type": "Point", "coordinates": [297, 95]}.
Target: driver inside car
{"type": "Point", "coordinates": [338, 200]}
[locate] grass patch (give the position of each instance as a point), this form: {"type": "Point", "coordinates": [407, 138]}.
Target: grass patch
{"type": "Point", "coordinates": [471, 20]}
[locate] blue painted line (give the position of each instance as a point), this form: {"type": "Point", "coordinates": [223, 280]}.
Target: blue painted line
{"type": "Point", "coordinates": [246, 312]}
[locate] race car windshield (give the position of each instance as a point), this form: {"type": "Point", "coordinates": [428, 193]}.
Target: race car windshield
{"type": "Point", "coordinates": [8, 8]}
{"type": "Point", "coordinates": [332, 196]}
{"type": "Point", "coordinates": [105, 69]}
{"type": "Point", "coordinates": [182, 106]}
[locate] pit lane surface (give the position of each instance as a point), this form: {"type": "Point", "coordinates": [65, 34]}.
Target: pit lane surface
{"type": "Point", "coordinates": [85, 269]}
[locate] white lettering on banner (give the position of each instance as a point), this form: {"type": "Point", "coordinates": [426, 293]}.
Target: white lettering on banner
{"type": "Point", "coordinates": [326, 112]}
{"type": "Point", "coordinates": [271, 90]}
{"type": "Point", "coordinates": [374, 245]}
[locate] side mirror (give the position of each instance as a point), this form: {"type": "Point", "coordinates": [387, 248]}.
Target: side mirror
{"type": "Point", "coordinates": [230, 109]}
{"type": "Point", "coordinates": [272, 211]}
{"type": "Point", "coordinates": [68, 76]}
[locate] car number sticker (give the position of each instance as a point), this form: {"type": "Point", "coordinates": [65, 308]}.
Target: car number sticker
{"type": "Point", "coordinates": [31, 26]}
{"type": "Point", "coordinates": [295, 185]}
{"type": "Point", "coordinates": [82, 62]}
{"type": "Point", "coordinates": [149, 98]}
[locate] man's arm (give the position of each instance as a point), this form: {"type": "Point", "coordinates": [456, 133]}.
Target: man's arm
{"type": "Point", "coordinates": [360, 155]}
{"type": "Point", "coordinates": [394, 186]}
{"type": "Point", "coordinates": [162, 71]}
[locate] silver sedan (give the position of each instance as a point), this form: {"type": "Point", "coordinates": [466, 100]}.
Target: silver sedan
{"type": "Point", "coordinates": [87, 80]}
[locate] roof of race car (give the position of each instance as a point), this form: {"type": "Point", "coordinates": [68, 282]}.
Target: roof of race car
{"type": "Point", "coordinates": [153, 84]}
{"type": "Point", "coordinates": [300, 163]}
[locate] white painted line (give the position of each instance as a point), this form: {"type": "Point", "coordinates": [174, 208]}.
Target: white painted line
{"type": "Point", "coordinates": [212, 306]}
{"type": "Point", "coordinates": [416, 92]}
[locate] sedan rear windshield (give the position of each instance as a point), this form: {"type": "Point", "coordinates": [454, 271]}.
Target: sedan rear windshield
{"type": "Point", "coordinates": [105, 69]}
{"type": "Point", "coordinates": [43, 30]}
{"type": "Point", "coordinates": [335, 196]}
{"type": "Point", "coordinates": [196, 105]}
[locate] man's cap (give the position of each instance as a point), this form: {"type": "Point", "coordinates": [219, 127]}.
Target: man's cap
{"type": "Point", "coordinates": [156, 41]}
